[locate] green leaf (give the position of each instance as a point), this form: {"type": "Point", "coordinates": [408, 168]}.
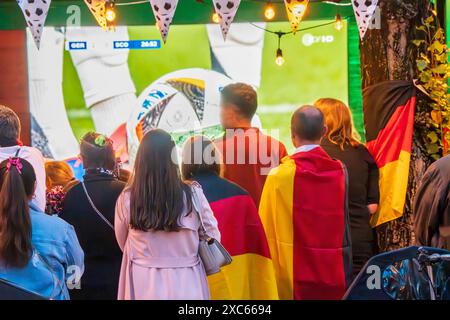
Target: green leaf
{"type": "Point", "coordinates": [421, 28]}
{"type": "Point", "coordinates": [421, 65]}
{"type": "Point", "coordinates": [437, 46]}
{"type": "Point", "coordinates": [418, 43]}
{"type": "Point", "coordinates": [433, 148]}
{"type": "Point", "coordinates": [436, 116]}
{"type": "Point", "coordinates": [429, 20]}
{"type": "Point", "coordinates": [433, 137]}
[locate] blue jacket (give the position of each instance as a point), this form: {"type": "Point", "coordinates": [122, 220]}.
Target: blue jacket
{"type": "Point", "coordinates": [57, 260]}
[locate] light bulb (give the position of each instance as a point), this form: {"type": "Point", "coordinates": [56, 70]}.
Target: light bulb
{"type": "Point", "coordinates": [279, 60]}
{"type": "Point", "coordinates": [157, 26]}
{"type": "Point", "coordinates": [215, 18]}
{"type": "Point", "coordinates": [339, 23]}
{"type": "Point", "coordinates": [269, 11]}
{"type": "Point", "coordinates": [110, 15]}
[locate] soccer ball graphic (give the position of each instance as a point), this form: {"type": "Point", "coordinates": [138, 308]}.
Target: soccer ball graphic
{"type": "Point", "coordinates": [182, 103]}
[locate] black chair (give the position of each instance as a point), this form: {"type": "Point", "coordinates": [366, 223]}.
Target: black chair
{"type": "Point", "coordinates": [10, 291]}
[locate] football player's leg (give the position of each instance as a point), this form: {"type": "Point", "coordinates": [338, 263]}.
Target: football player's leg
{"type": "Point", "coordinates": [244, 41]}
{"type": "Point", "coordinates": [108, 89]}
{"type": "Point", "coordinates": [46, 95]}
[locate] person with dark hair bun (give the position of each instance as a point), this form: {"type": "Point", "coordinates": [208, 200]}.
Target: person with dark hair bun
{"type": "Point", "coordinates": [38, 252]}
{"type": "Point", "coordinates": [89, 206]}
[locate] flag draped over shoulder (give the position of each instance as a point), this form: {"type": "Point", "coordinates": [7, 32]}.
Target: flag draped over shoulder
{"type": "Point", "coordinates": [251, 275]}
{"type": "Point", "coordinates": [304, 212]}
{"type": "Point", "coordinates": [389, 123]}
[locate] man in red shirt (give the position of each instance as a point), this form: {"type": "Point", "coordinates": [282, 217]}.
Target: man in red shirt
{"type": "Point", "coordinates": [248, 153]}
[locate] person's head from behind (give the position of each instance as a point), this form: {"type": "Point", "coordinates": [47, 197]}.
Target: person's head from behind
{"type": "Point", "coordinates": [307, 126]}
{"type": "Point", "coordinates": [17, 186]}
{"type": "Point", "coordinates": [238, 105]}
{"type": "Point", "coordinates": [157, 192]}
{"type": "Point", "coordinates": [58, 173]}
{"type": "Point", "coordinates": [200, 156]}
{"type": "Point", "coordinates": [9, 127]}
{"type": "Point", "coordinates": [339, 122]}
{"type": "Point", "coordinates": [97, 152]}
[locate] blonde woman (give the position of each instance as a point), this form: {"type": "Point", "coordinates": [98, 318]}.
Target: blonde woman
{"type": "Point", "coordinates": [59, 179]}
{"type": "Point", "coordinates": [342, 142]}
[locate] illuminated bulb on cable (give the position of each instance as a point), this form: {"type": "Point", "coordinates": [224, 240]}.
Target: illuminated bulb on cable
{"type": "Point", "coordinates": [269, 11]}
{"type": "Point", "coordinates": [215, 18]}
{"type": "Point", "coordinates": [279, 59]}
{"type": "Point", "coordinates": [339, 23]}
{"type": "Point", "coordinates": [110, 14]}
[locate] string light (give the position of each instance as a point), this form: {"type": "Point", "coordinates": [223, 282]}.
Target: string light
{"type": "Point", "coordinates": [279, 60]}
{"type": "Point", "coordinates": [269, 11]}
{"type": "Point", "coordinates": [110, 13]}
{"type": "Point", "coordinates": [339, 23]}
{"type": "Point", "coordinates": [215, 17]}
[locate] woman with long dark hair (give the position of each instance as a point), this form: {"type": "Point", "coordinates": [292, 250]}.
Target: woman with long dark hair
{"type": "Point", "coordinates": [38, 252]}
{"type": "Point", "coordinates": [157, 227]}
{"type": "Point", "coordinates": [89, 207]}
{"type": "Point", "coordinates": [342, 142]}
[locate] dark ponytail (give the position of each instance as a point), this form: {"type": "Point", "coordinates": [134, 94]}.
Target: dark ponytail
{"type": "Point", "coordinates": [17, 181]}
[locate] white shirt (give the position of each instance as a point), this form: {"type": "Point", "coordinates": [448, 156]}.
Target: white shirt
{"type": "Point", "coordinates": [306, 148]}
{"type": "Point", "coordinates": [35, 158]}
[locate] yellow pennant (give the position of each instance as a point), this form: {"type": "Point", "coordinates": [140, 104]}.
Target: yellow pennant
{"type": "Point", "coordinates": [295, 10]}
{"type": "Point", "coordinates": [98, 9]}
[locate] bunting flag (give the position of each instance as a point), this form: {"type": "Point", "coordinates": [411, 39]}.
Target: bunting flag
{"type": "Point", "coordinates": [364, 11]}
{"type": "Point", "coordinates": [226, 9]}
{"type": "Point", "coordinates": [164, 10]}
{"type": "Point", "coordinates": [295, 10]}
{"type": "Point", "coordinates": [35, 13]}
{"type": "Point", "coordinates": [98, 10]}
{"type": "Point", "coordinates": [389, 122]}
{"type": "Point", "coordinates": [251, 275]}
{"type": "Point", "coordinates": [309, 239]}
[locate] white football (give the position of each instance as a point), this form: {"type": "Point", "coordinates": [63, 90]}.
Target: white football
{"type": "Point", "coordinates": [180, 102]}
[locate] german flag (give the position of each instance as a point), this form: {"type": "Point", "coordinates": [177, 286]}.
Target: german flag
{"type": "Point", "coordinates": [389, 123]}
{"type": "Point", "coordinates": [251, 275]}
{"type": "Point", "coordinates": [304, 212]}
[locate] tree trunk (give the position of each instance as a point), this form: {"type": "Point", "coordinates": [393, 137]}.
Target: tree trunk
{"type": "Point", "coordinates": [387, 53]}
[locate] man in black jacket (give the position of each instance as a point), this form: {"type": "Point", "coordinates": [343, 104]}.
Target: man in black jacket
{"type": "Point", "coordinates": [432, 206]}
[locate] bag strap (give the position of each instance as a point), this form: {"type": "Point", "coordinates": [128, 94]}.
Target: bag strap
{"type": "Point", "coordinates": [49, 267]}
{"type": "Point", "coordinates": [196, 204]}
{"type": "Point", "coordinates": [95, 208]}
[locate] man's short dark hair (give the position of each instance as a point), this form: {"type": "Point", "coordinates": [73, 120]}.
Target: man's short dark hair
{"type": "Point", "coordinates": [307, 123]}
{"type": "Point", "coordinates": [9, 124]}
{"type": "Point", "coordinates": [243, 96]}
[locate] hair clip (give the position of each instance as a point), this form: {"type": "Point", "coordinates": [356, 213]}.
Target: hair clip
{"type": "Point", "coordinates": [100, 141]}
{"type": "Point", "coordinates": [14, 162]}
